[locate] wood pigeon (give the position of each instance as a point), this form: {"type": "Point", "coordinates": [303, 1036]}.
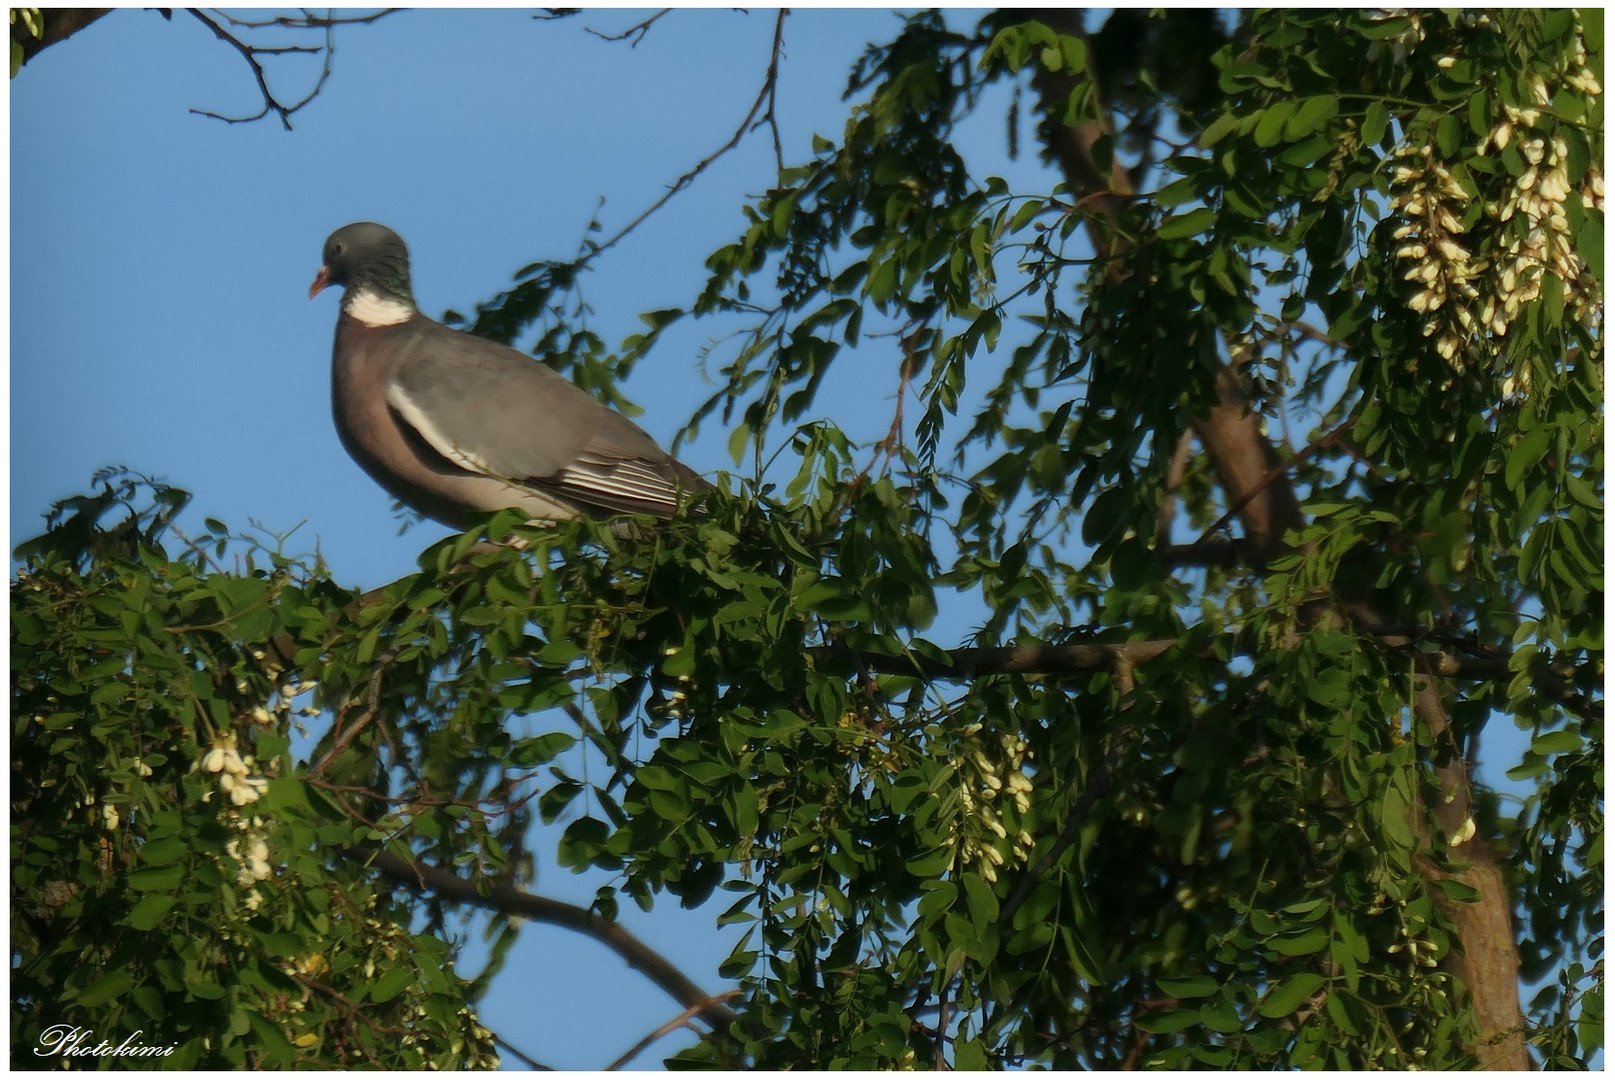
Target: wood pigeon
{"type": "Point", "coordinates": [454, 425]}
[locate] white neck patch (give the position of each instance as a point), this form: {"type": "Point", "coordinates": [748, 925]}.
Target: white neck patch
{"type": "Point", "coordinates": [374, 309]}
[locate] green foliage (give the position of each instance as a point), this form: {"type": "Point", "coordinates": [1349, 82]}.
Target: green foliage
{"type": "Point", "coordinates": [1171, 806]}
{"type": "Point", "coordinates": [174, 874]}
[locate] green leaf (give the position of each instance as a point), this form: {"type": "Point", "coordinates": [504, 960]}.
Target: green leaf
{"type": "Point", "coordinates": [111, 985]}
{"type": "Point", "coordinates": [1219, 129]}
{"type": "Point", "coordinates": [931, 864]}
{"type": "Point", "coordinates": [150, 910]}
{"type": "Point", "coordinates": [1393, 819]}
{"type": "Point", "coordinates": [1449, 135]}
{"type": "Point", "coordinates": [158, 878]}
{"type": "Point", "coordinates": [883, 280]}
{"type": "Point", "coordinates": [1193, 986]}
{"type": "Point", "coordinates": [969, 1056]}
{"type": "Point", "coordinates": [938, 896]}
{"type": "Point", "coordinates": [1528, 770]}
{"type": "Point", "coordinates": [1312, 115]}
{"type": "Point", "coordinates": [982, 902]}
{"type": "Point", "coordinates": [1270, 128]}
{"type": "Point", "coordinates": [1311, 940]}
{"type": "Point", "coordinates": [1290, 995]}
{"type": "Point", "coordinates": [1557, 742]}
{"type": "Point", "coordinates": [1526, 454]}
{"type": "Point", "coordinates": [528, 753]}
{"type": "Point", "coordinates": [1179, 226]}
{"type": "Point", "coordinates": [1169, 1022]}
{"type": "Point", "coordinates": [272, 1040]}
{"type": "Point", "coordinates": [391, 982]}
{"type": "Point", "coordinates": [1376, 121]}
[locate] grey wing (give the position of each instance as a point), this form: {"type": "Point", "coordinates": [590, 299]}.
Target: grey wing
{"type": "Point", "coordinates": [497, 412]}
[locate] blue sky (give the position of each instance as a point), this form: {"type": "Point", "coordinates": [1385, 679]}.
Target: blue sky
{"type": "Point", "coordinates": [160, 319]}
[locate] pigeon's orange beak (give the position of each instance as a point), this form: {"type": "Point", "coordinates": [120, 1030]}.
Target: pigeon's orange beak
{"type": "Point", "coordinates": [321, 280]}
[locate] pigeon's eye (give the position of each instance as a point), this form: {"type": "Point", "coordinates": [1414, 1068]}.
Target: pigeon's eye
{"type": "Point", "coordinates": [336, 248]}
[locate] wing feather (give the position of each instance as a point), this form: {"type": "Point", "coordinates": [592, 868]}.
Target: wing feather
{"type": "Point", "coordinates": [493, 411]}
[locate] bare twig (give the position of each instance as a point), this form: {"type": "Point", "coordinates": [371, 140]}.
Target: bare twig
{"type": "Point", "coordinates": [251, 53]}
{"type": "Point", "coordinates": [305, 21]}
{"type": "Point", "coordinates": [636, 31]}
{"type": "Point", "coordinates": [681, 1020]}
{"type": "Point", "coordinates": [884, 450]}
{"type": "Point", "coordinates": [751, 121]}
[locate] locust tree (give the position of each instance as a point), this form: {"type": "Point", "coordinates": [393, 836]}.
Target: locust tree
{"type": "Point", "coordinates": [1124, 705]}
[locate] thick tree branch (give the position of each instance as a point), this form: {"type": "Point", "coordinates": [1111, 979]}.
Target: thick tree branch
{"type": "Point", "coordinates": [1052, 661]}
{"type": "Point", "coordinates": [59, 24]}
{"type": "Point", "coordinates": [509, 900]}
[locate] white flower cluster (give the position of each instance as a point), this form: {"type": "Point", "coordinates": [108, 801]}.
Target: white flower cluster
{"type": "Point", "coordinates": [249, 851]}
{"type": "Point", "coordinates": [1471, 299]}
{"type": "Point", "coordinates": [254, 862]}
{"type": "Point", "coordinates": [234, 772]}
{"type": "Point", "coordinates": [111, 817]}
{"type": "Point", "coordinates": [984, 784]}
{"type": "Point", "coordinates": [1432, 201]}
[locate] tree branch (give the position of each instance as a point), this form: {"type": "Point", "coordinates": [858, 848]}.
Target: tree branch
{"type": "Point", "coordinates": [681, 1020]}
{"type": "Point", "coordinates": [636, 31]}
{"type": "Point", "coordinates": [1052, 661]}
{"type": "Point", "coordinates": [509, 900]}
{"type": "Point", "coordinates": [251, 53]}
{"type": "Point", "coordinates": [751, 120]}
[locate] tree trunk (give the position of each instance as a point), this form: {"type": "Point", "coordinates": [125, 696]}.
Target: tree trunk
{"type": "Point", "coordinates": [1245, 463]}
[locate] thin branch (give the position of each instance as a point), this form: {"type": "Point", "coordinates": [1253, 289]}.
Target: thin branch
{"type": "Point", "coordinates": [509, 900]}
{"type": "Point", "coordinates": [938, 1060]}
{"type": "Point", "coordinates": [342, 733]}
{"type": "Point", "coordinates": [306, 21]}
{"type": "Point", "coordinates": [1078, 817]}
{"type": "Point", "coordinates": [681, 1020]}
{"type": "Point", "coordinates": [752, 119]}
{"type": "Point", "coordinates": [637, 31]}
{"type": "Point", "coordinates": [1176, 469]}
{"type": "Point", "coordinates": [1328, 438]}
{"type": "Point", "coordinates": [536, 1066]}
{"type": "Point", "coordinates": [250, 53]}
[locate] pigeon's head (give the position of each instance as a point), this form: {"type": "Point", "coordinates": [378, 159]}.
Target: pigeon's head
{"type": "Point", "coordinates": [365, 254]}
